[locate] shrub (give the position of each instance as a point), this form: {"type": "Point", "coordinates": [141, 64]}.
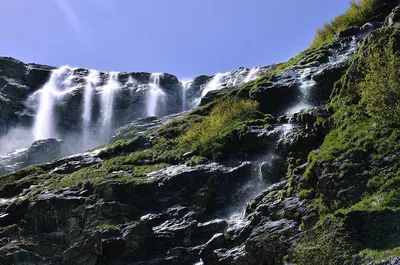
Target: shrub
{"type": "Point", "coordinates": [203, 136]}
{"type": "Point", "coordinates": [359, 12]}
{"type": "Point", "coordinates": [380, 88]}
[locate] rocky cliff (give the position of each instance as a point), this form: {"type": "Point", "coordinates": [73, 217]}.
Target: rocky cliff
{"type": "Point", "coordinates": [295, 163]}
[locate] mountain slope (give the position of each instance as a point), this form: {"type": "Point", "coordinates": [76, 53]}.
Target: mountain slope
{"type": "Point", "coordinates": [297, 166]}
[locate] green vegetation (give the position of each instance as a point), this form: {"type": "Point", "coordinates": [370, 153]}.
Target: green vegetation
{"type": "Point", "coordinates": [196, 160]}
{"type": "Point", "coordinates": [365, 130]}
{"type": "Point", "coordinates": [328, 244]}
{"type": "Point", "coordinates": [356, 170]}
{"type": "Point", "coordinates": [130, 168]}
{"type": "Point", "coordinates": [380, 88]}
{"type": "Point", "coordinates": [208, 135]}
{"type": "Point", "coordinates": [372, 255]}
{"type": "Point", "coordinates": [358, 13]}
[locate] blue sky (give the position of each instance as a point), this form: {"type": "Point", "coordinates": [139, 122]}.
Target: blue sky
{"type": "Point", "coordinates": [183, 37]}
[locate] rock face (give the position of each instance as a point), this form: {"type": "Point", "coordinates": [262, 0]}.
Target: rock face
{"type": "Point", "coordinates": [39, 152]}
{"type": "Point", "coordinates": [83, 107]}
{"type": "Point", "coordinates": [318, 185]}
{"type": "Point", "coordinates": [17, 82]}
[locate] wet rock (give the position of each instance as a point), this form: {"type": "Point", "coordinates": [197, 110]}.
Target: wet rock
{"type": "Point", "coordinates": [391, 261]}
{"type": "Point", "coordinates": [112, 248]}
{"type": "Point", "coordinates": [269, 241]}
{"type": "Point", "coordinates": [216, 242]}
{"type": "Point", "coordinates": [73, 163]}
{"type": "Point", "coordinates": [56, 212]}
{"type": "Point", "coordinates": [10, 255]}
{"type": "Point", "coordinates": [43, 151]}
{"type": "Point", "coordinates": [210, 228]}
{"type": "Point", "coordinates": [39, 152]}
{"type": "Point", "coordinates": [352, 31]}
{"type": "Point", "coordinates": [374, 229]}
{"type": "Point", "coordinates": [394, 17]}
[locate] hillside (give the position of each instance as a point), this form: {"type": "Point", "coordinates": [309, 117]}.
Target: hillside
{"type": "Point", "coordinates": [294, 163]}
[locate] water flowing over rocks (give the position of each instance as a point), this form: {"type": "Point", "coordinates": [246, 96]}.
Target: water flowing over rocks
{"type": "Point", "coordinates": [40, 102]}
{"type": "Point", "coordinates": [138, 200]}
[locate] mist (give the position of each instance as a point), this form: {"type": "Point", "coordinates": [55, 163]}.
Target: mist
{"type": "Point", "coordinates": [16, 138]}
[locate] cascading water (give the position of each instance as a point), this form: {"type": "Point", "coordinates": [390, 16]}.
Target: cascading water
{"type": "Point", "coordinates": [306, 83]}
{"type": "Point", "coordinates": [341, 58]}
{"type": "Point", "coordinates": [235, 78]}
{"type": "Point", "coordinates": [185, 85]}
{"type": "Point", "coordinates": [156, 96]}
{"type": "Point", "coordinates": [214, 84]}
{"type": "Point", "coordinates": [253, 74]}
{"type": "Point", "coordinates": [92, 80]}
{"type": "Point", "coordinates": [306, 76]}
{"type": "Point", "coordinates": [52, 91]}
{"type": "Point", "coordinates": [107, 103]}
{"type": "Point", "coordinates": [258, 182]}
{"type": "Point", "coordinates": [229, 79]}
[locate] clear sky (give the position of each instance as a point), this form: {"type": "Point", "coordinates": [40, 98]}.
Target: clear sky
{"type": "Point", "coordinates": [183, 37]}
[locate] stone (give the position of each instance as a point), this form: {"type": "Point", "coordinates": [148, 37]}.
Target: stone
{"type": "Point", "coordinates": [43, 151]}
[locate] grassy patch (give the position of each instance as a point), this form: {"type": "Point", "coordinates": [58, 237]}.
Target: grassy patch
{"type": "Point", "coordinates": [328, 244]}
{"type": "Point", "coordinates": [209, 134]}
{"type": "Point", "coordinates": [372, 255]}
{"type": "Point", "coordinates": [358, 13]}
{"type": "Point", "coordinates": [380, 88]}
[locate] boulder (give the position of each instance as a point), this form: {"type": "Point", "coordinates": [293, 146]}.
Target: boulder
{"type": "Point", "coordinates": [43, 151]}
{"type": "Point", "coordinates": [40, 152]}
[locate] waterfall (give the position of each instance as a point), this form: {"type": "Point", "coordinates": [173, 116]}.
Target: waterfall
{"type": "Point", "coordinates": [229, 79]}
{"type": "Point", "coordinates": [155, 95]}
{"type": "Point", "coordinates": [306, 83]}
{"type": "Point", "coordinates": [257, 183]}
{"type": "Point", "coordinates": [185, 86]}
{"type": "Point", "coordinates": [52, 90]}
{"type": "Point", "coordinates": [107, 102]}
{"type": "Point", "coordinates": [92, 80]}
{"type": "Point", "coordinates": [236, 77]}
{"type": "Point", "coordinates": [306, 76]}
{"type": "Point", "coordinates": [253, 74]}
{"type": "Point", "coordinates": [341, 58]}
{"type": "Point", "coordinates": [214, 84]}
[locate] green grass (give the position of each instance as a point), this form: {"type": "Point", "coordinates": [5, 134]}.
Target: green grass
{"type": "Point", "coordinates": [357, 14]}
{"type": "Point", "coordinates": [208, 134]}
{"type": "Point", "coordinates": [372, 255]}
{"type": "Point", "coordinates": [380, 87]}
{"type": "Point", "coordinates": [328, 244]}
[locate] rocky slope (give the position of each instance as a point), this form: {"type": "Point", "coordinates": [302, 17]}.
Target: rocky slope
{"type": "Point", "coordinates": [83, 107]}
{"type": "Point", "coordinates": [299, 166]}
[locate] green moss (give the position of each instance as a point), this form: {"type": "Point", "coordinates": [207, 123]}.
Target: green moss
{"type": "Point", "coordinates": [380, 87]}
{"type": "Point", "coordinates": [179, 126]}
{"type": "Point", "coordinates": [372, 255]}
{"type": "Point", "coordinates": [358, 13]}
{"type": "Point", "coordinates": [106, 227]}
{"type": "Point", "coordinates": [204, 198]}
{"type": "Point", "coordinates": [358, 158]}
{"type": "Point", "coordinates": [206, 137]}
{"type": "Point", "coordinates": [327, 244]}
{"type": "Point", "coordinates": [306, 194]}
{"type": "Point", "coordinates": [196, 160]}
{"type": "Point", "coordinates": [120, 147]}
